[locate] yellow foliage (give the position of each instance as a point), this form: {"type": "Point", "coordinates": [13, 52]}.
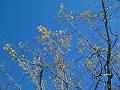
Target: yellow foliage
{"type": "Point", "coordinates": [44, 37]}
{"type": "Point", "coordinates": [61, 6]}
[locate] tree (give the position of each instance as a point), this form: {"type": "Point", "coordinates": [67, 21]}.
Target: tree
{"type": "Point", "coordinates": [9, 81]}
{"type": "Point", "coordinates": [98, 57]}
{"type": "Point", "coordinates": [100, 62]}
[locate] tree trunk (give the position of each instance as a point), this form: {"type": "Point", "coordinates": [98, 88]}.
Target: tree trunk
{"type": "Point", "coordinates": [108, 61]}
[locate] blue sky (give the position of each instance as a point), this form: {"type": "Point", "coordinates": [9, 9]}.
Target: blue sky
{"type": "Point", "coordinates": [19, 20]}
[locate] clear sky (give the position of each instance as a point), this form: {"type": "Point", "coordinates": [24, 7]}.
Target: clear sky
{"type": "Point", "coordinates": [19, 20]}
